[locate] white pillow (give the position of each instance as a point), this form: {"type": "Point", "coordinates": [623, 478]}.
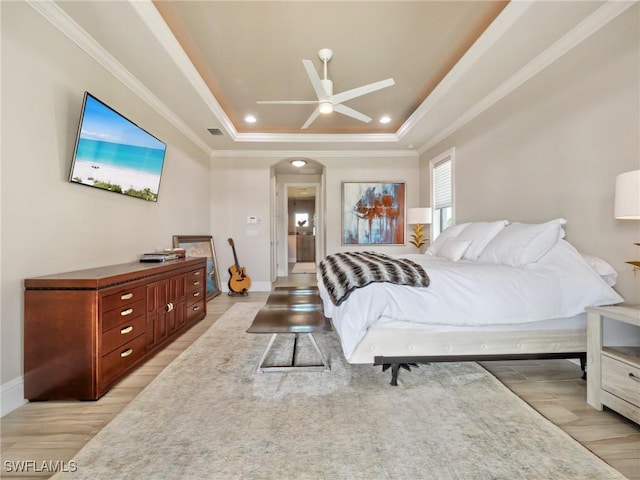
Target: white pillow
{"type": "Point", "coordinates": [520, 244]}
{"type": "Point", "coordinates": [480, 234]}
{"type": "Point", "coordinates": [602, 268]}
{"type": "Point", "coordinates": [449, 232]}
{"type": "Point", "coordinates": [453, 249]}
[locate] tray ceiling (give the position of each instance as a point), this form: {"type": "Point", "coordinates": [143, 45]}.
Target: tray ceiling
{"type": "Point", "coordinates": [204, 64]}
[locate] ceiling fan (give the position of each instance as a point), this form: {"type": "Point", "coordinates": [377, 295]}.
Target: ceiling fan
{"type": "Point", "coordinates": [328, 102]}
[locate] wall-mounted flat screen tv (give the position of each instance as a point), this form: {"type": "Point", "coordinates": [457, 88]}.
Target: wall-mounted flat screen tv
{"type": "Point", "coordinates": [114, 154]}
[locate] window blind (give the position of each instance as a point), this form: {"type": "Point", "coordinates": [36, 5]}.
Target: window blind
{"type": "Point", "coordinates": [442, 191]}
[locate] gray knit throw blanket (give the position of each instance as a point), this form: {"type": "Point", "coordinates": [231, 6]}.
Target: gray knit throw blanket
{"type": "Point", "coordinates": [342, 273]}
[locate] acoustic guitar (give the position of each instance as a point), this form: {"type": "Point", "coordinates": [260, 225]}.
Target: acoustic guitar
{"type": "Point", "coordinates": [239, 281]}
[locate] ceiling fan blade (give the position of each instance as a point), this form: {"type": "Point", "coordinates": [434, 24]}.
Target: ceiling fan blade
{"type": "Point", "coordinates": [311, 118]}
{"type": "Point", "coordinates": [356, 92]}
{"type": "Point", "coordinates": [315, 80]}
{"type": "Point", "coordinates": [350, 112]}
{"type": "Point", "coordinates": [286, 102]}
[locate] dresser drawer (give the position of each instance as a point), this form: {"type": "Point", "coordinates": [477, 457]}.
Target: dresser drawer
{"type": "Point", "coordinates": [122, 297]}
{"type": "Point", "coordinates": [196, 280]}
{"type": "Point", "coordinates": [122, 358]}
{"type": "Point", "coordinates": [195, 310]}
{"type": "Point", "coordinates": [123, 333]}
{"type": "Point", "coordinates": [621, 379]}
{"type": "Point", "coordinates": [129, 311]}
{"type": "Point", "coordinates": [195, 296]}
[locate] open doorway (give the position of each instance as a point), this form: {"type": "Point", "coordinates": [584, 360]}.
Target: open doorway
{"type": "Point", "coordinates": [297, 216]}
{"type": "Point", "coordinates": [302, 220]}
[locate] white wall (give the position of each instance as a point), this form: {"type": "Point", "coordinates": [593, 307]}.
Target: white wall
{"type": "Point", "coordinates": [553, 147]}
{"type": "Point", "coordinates": [241, 187]}
{"type": "Point", "coordinates": [48, 224]}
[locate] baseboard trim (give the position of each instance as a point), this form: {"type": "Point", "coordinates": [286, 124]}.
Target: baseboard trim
{"type": "Point", "coordinates": [12, 396]}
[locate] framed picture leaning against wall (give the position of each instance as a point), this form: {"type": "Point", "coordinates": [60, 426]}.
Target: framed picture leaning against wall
{"type": "Point", "coordinates": [202, 246]}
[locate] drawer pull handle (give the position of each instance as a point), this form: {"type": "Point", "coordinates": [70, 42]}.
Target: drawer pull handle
{"type": "Point", "coordinates": [196, 308]}
{"type": "Point", "coordinates": [126, 312]}
{"type": "Point", "coordinates": [633, 377]}
{"type": "Point", "coordinates": [126, 330]}
{"type": "Point", "coordinates": [196, 294]}
{"type": "Point", "coordinates": [196, 274]}
{"type": "Point", "coordinates": [126, 353]}
{"type": "Point", "coordinates": [197, 282]}
{"type": "Point", "coordinates": [126, 296]}
{"type": "Point", "coordinates": [168, 307]}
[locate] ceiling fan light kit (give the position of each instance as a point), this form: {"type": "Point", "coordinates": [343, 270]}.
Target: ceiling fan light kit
{"type": "Point", "coordinates": [327, 102]}
{"type": "Point", "coordinates": [326, 107]}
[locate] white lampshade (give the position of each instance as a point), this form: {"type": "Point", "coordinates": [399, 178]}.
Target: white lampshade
{"type": "Point", "coordinates": [627, 200]}
{"type": "Point", "coordinates": [417, 216]}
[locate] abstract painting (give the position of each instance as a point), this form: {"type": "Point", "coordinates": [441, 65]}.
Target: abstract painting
{"type": "Point", "coordinates": [373, 213]}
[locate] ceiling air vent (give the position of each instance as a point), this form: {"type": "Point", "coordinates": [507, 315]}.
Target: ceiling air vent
{"type": "Point", "coordinates": [215, 131]}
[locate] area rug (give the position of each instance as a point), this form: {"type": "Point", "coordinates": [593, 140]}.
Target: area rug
{"type": "Point", "coordinates": [304, 267]}
{"type": "Point", "coordinates": [208, 415]}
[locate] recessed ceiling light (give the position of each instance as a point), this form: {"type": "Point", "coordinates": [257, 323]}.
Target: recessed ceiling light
{"type": "Point", "coordinates": [385, 119]}
{"type": "Point", "coordinates": [250, 119]}
{"type": "Point", "coordinates": [298, 163]}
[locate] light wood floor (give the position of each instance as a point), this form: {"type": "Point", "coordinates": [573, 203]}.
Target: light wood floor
{"type": "Point", "coordinates": [56, 431]}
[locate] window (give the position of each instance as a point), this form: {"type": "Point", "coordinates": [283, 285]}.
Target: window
{"type": "Point", "coordinates": [302, 219]}
{"type": "Point", "coordinates": [442, 192]}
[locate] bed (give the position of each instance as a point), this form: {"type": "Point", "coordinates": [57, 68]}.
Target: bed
{"type": "Point", "coordinates": [482, 291]}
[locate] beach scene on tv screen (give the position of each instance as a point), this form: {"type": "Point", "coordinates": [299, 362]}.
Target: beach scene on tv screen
{"type": "Point", "coordinates": [116, 155]}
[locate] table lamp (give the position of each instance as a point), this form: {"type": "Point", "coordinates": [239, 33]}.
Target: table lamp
{"type": "Point", "coordinates": [627, 200]}
{"type": "Point", "coordinates": [418, 217]}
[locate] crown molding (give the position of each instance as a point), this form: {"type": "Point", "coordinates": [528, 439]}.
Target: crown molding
{"type": "Point", "coordinates": [316, 137]}
{"type": "Point", "coordinates": [149, 14]}
{"type": "Point", "coordinates": [603, 15]}
{"type": "Point", "coordinates": [314, 153]}
{"type": "Point", "coordinates": [503, 22]}
{"type": "Point", "coordinates": [63, 22]}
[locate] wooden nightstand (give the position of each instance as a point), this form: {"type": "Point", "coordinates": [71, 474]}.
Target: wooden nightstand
{"type": "Point", "coordinates": [613, 372]}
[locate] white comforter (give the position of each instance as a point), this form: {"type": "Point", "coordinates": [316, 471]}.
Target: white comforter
{"type": "Point", "coordinates": [561, 284]}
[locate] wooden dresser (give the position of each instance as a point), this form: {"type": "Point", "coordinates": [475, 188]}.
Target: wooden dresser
{"type": "Point", "coordinates": [85, 330]}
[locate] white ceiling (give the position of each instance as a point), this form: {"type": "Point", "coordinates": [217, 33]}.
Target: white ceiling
{"type": "Point", "coordinates": [205, 64]}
